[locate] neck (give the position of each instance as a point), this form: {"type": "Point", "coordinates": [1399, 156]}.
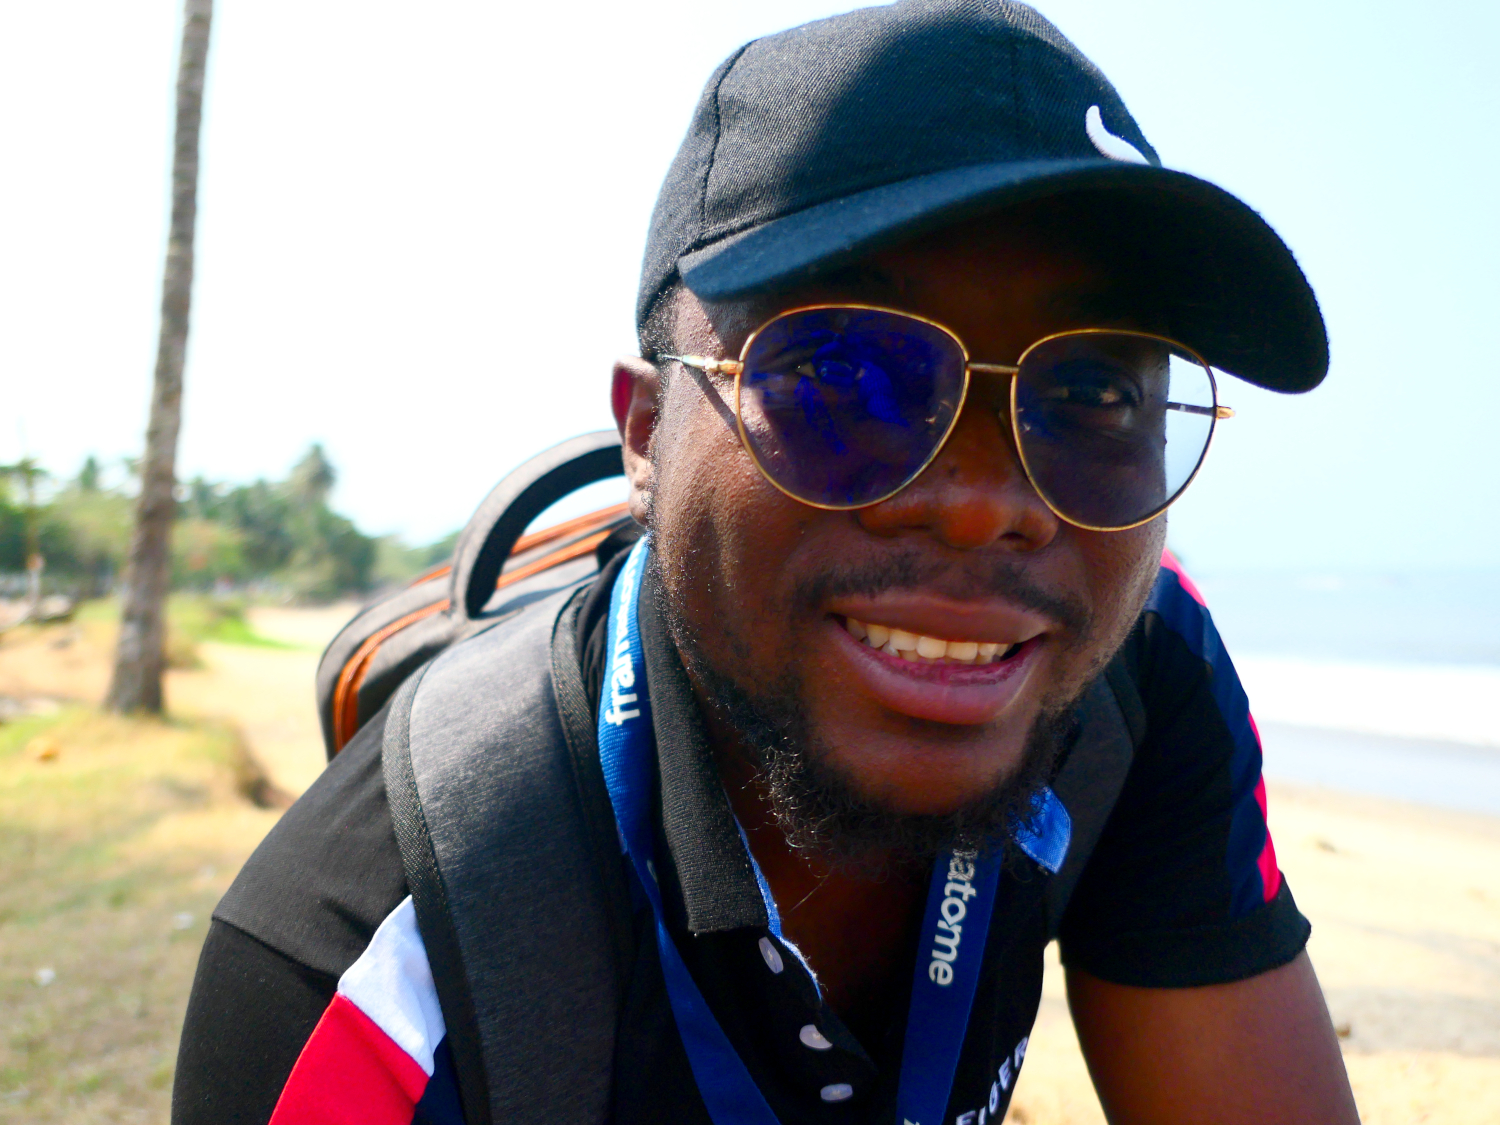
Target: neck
{"type": "Point", "coordinates": [856, 926]}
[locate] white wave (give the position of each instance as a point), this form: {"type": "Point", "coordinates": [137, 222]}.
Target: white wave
{"type": "Point", "coordinates": [1440, 702]}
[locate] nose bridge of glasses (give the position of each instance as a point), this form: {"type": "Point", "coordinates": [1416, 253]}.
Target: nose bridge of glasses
{"type": "Point", "coordinates": [986, 404]}
{"type": "Point", "coordinates": [989, 387]}
{"type": "Point", "coordinates": [975, 490]}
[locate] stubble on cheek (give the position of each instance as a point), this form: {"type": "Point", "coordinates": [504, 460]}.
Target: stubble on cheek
{"type": "Point", "coordinates": [719, 530]}
{"type": "Point", "coordinates": [1125, 573]}
{"type": "Point", "coordinates": [702, 513]}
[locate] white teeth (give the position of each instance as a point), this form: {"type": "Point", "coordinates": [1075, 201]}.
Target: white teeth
{"type": "Point", "coordinates": [904, 640]}
{"type": "Point", "coordinates": [924, 649]}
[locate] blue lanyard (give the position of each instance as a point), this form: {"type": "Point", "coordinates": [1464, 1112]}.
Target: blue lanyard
{"type": "Point", "coordinates": [957, 919]}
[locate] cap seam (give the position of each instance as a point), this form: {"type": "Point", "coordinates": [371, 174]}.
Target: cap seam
{"type": "Point", "coordinates": [1017, 109]}
{"type": "Point", "coordinates": [713, 152]}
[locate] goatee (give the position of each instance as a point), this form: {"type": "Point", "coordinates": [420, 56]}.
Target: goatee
{"type": "Point", "coordinates": [821, 810]}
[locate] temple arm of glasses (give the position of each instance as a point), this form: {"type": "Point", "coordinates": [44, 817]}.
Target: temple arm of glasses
{"type": "Point", "coordinates": [1219, 412]}
{"type": "Point", "coordinates": [708, 366]}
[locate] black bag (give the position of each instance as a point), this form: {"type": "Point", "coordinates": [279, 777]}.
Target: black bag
{"type": "Point", "coordinates": [495, 570]}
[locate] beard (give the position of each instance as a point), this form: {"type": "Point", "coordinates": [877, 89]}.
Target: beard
{"type": "Point", "coordinates": [817, 805]}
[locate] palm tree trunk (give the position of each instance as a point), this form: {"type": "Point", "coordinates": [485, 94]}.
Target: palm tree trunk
{"type": "Point", "coordinates": [141, 654]}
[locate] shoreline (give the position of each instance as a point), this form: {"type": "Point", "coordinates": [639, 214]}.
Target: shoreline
{"type": "Point", "coordinates": [1453, 777]}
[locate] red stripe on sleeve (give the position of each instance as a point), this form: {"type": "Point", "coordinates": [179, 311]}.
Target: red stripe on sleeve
{"type": "Point", "coordinates": [1169, 560]}
{"type": "Point", "coordinates": [1270, 874]}
{"type": "Point", "coordinates": [350, 1073]}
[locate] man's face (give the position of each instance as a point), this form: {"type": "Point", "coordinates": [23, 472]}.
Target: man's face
{"type": "Point", "coordinates": [764, 588]}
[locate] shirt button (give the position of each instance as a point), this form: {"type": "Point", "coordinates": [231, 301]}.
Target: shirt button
{"type": "Point", "coordinates": [837, 1092]}
{"type": "Point", "coordinates": [813, 1038]}
{"type": "Point", "coordinates": [771, 954]}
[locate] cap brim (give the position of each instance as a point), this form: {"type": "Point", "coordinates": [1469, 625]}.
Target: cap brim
{"type": "Point", "coordinates": [1220, 279]}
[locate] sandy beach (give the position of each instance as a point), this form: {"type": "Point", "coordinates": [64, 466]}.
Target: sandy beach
{"type": "Point", "coordinates": [1405, 906]}
{"type": "Point", "coordinates": [1404, 898]}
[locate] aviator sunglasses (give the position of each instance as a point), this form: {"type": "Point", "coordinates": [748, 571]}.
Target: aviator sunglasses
{"type": "Point", "coordinates": [843, 406]}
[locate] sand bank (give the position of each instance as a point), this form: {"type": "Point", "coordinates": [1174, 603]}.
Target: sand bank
{"type": "Point", "coordinates": [1405, 906]}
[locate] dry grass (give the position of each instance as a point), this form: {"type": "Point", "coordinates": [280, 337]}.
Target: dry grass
{"type": "Point", "coordinates": [117, 836]}
{"type": "Point", "coordinates": [264, 690]}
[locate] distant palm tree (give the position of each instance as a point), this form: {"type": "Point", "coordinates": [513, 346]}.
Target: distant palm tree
{"type": "Point", "coordinates": [140, 655]}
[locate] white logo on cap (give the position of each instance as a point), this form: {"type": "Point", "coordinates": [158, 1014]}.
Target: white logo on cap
{"type": "Point", "coordinates": [1116, 148]}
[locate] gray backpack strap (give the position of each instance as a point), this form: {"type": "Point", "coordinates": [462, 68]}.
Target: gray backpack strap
{"type": "Point", "coordinates": [1112, 724]}
{"type": "Point", "coordinates": [503, 865]}
{"type": "Point", "coordinates": [431, 902]}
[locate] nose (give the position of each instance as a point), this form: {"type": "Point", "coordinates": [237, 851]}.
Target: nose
{"type": "Point", "coordinates": [975, 494]}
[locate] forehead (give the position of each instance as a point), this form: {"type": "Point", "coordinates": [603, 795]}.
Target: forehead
{"type": "Point", "coordinates": [1000, 281]}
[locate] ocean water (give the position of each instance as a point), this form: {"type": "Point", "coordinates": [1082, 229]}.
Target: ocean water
{"type": "Point", "coordinates": [1381, 684]}
{"type": "Point", "coordinates": [1449, 775]}
{"type": "Point", "coordinates": [1451, 618]}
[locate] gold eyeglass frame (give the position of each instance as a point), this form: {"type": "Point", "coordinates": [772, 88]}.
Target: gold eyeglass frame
{"type": "Point", "coordinates": [736, 368]}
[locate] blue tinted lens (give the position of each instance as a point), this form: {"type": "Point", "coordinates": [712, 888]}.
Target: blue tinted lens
{"type": "Point", "coordinates": [841, 407]}
{"type": "Point", "coordinates": [1112, 426]}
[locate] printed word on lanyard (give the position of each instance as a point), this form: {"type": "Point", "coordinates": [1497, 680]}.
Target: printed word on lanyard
{"type": "Point", "coordinates": [960, 901]}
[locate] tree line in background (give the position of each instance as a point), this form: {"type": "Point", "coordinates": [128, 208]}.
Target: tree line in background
{"type": "Point", "coordinates": [279, 538]}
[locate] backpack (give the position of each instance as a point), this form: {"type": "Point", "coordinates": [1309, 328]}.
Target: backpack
{"type": "Point", "coordinates": [499, 804]}
{"type": "Point", "coordinates": [495, 569]}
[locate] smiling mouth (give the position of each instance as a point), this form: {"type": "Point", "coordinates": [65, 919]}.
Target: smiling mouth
{"type": "Point", "coordinates": [921, 649]}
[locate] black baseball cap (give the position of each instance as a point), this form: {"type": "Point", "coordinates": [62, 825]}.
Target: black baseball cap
{"type": "Point", "coordinates": [818, 145]}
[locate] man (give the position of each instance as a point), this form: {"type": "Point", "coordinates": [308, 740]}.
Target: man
{"type": "Point", "coordinates": [899, 682]}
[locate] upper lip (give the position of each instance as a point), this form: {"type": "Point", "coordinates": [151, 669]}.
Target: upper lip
{"type": "Point", "coordinates": [932, 615]}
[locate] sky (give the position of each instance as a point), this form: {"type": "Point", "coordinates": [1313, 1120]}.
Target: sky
{"type": "Point", "coordinates": [421, 226]}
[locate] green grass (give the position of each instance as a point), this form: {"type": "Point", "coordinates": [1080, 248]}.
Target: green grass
{"type": "Point", "coordinates": [191, 620]}
{"type": "Point", "coordinates": [205, 618]}
{"type": "Point", "coordinates": [117, 836]}
{"type": "Point", "coordinates": [98, 609]}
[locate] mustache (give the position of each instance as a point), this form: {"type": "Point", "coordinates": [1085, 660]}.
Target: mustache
{"type": "Point", "coordinates": [972, 579]}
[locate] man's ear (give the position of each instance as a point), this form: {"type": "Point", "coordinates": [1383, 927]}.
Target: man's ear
{"type": "Point", "coordinates": [633, 394]}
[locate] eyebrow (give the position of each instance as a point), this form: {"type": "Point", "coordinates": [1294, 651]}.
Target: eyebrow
{"type": "Point", "coordinates": [1086, 303]}
{"type": "Point", "coordinates": [1097, 306]}
{"type": "Point", "coordinates": [857, 283]}
{"type": "Point", "coordinates": [863, 280]}
{"type": "Point", "coordinates": [1104, 306]}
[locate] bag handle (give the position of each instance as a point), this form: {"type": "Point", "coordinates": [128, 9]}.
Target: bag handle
{"type": "Point", "coordinates": [519, 498]}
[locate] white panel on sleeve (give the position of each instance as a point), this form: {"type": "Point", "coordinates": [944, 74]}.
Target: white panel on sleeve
{"type": "Point", "coordinates": [392, 984]}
